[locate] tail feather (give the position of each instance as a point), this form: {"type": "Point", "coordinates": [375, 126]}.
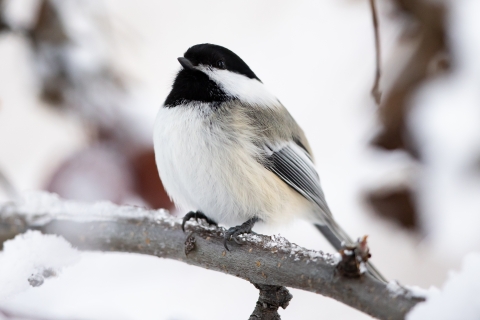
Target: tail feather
{"type": "Point", "coordinates": [338, 238]}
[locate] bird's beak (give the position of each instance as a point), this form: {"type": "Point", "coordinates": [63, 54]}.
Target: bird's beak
{"type": "Point", "coordinates": [186, 64]}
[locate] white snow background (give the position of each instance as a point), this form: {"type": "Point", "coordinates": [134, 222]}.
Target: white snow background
{"type": "Point", "coordinates": [318, 58]}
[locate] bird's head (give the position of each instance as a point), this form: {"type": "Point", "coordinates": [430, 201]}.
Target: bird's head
{"type": "Point", "coordinates": [211, 73]}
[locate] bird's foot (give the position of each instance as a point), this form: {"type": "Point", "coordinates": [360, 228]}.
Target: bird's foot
{"type": "Point", "coordinates": [197, 215]}
{"type": "Point", "coordinates": [234, 232]}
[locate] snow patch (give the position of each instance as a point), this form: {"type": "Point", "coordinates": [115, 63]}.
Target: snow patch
{"type": "Point", "coordinates": [417, 292]}
{"type": "Point", "coordinates": [459, 298]}
{"type": "Point", "coordinates": [397, 289]}
{"type": "Point", "coordinates": [277, 243]}
{"type": "Point", "coordinates": [31, 257]}
{"type": "Point", "coordinates": [362, 268]}
{"type": "Point", "coordinates": [41, 207]}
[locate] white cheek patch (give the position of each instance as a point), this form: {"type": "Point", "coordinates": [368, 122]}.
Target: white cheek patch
{"type": "Point", "coordinates": [239, 86]}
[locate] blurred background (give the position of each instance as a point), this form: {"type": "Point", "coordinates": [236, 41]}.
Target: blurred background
{"type": "Point", "coordinates": [81, 82]}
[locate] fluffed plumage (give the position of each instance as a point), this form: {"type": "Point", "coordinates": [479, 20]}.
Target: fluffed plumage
{"type": "Point", "coordinates": [227, 147]}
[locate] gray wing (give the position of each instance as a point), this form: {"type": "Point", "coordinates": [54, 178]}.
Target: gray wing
{"type": "Point", "coordinates": [294, 166]}
{"type": "Point", "coordinates": [291, 160]}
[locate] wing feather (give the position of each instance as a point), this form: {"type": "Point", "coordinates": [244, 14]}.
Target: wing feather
{"type": "Point", "coordinates": [294, 166]}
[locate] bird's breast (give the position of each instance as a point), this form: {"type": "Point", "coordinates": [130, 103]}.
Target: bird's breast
{"type": "Point", "coordinates": [210, 164]}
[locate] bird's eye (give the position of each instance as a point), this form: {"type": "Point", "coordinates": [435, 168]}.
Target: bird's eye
{"type": "Point", "coordinates": [220, 64]}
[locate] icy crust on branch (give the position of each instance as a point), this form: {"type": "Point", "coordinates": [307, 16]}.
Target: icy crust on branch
{"type": "Point", "coordinates": [30, 258]}
{"type": "Point", "coordinates": [42, 207]}
{"type": "Point", "coordinates": [459, 297]}
{"type": "Point", "coordinates": [278, 244]}
{"type": "Point", "coordinates": [397, 289]}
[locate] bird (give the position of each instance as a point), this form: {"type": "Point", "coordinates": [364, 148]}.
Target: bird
{"type": "Point", "coordinates": [228, 149]}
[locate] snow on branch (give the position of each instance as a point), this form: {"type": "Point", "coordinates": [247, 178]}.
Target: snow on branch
{"type": "Point", "coordinates": [261, 259]}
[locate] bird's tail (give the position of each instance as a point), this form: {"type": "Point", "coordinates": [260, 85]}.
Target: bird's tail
{"type": "Point", "coordinates": [338, 237]}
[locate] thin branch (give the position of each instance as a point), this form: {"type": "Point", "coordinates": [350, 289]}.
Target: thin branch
{"type": "Point", "coordinates": [376, 93]}
{"type": "Point", "coordinates": [428, 42]}
{"type": "Point", "coordinates": [3, 24]}
{"type": "Point", "coordinates": [261, 260]}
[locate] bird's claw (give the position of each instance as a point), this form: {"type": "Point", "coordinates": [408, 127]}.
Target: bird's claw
{"type": "Point", "coordinates": [234, 232]}
{"type": "Point", "coordinates": [238, 241]}
{"type": "Point", "coordinates": [197, 215]}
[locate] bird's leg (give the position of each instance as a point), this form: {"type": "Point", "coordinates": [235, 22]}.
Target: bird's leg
{"type": "Point", "coordinates": [197, 215]}
{"type": "Point", "coordinates": [234, 232]}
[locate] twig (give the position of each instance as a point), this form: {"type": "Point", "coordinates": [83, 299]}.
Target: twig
{"type": "Point", "coordinates": [261, 260]}
{"type": "Point", "coordinates": [354, 256]}
{"type": "Point", "coordinates": [429, 42]}
{"type": "Point", "coordinates": [376, 93]}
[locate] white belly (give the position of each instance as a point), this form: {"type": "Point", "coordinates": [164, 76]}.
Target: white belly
{"type": "Point", "coordinates": [203, 169]}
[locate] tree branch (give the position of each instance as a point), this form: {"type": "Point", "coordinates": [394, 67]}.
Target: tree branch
{"type": "Point", "coordinates": [376, 93]}
{"type": "Point", "coordinates": [261, 260]}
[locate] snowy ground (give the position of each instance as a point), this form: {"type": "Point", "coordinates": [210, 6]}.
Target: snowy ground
{"type": "Point", "coordinates": [317, 56]}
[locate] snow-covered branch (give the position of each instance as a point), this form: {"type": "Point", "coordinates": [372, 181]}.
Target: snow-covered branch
{"type": "Point", "coordinates": [261, 260]}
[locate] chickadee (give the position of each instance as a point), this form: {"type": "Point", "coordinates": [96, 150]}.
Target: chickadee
{"type": "Point", "coordinates": [227, 147]}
